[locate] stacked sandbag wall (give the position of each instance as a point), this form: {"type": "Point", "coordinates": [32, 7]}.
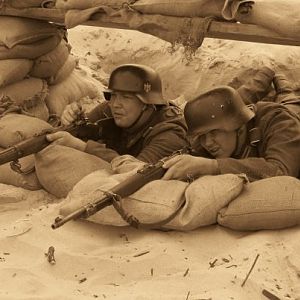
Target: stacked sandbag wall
{"type": "Point", "coordinates": [38, 77]}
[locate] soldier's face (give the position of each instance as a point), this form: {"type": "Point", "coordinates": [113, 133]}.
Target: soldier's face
{"type": "Point", "coordinates": [125, 108]}
{"type": "Point", "coordinates": [219, 143]}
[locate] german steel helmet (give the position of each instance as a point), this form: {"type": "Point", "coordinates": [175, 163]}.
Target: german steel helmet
{"type": "Point", "coordinates": [219, 108]}
{"type": "Point", "coordinates": [141, 80]}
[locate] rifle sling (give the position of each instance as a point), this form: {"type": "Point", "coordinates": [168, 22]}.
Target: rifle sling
{"type": "Point", "coordinates": [133, 221]}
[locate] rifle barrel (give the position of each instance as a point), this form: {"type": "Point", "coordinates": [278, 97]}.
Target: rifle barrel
{"type": "Point", "coordinates": [83, 212]}
{"type": "Point", "coordinates": [123, 189]}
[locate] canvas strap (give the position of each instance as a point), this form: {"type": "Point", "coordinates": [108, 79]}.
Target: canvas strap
{"type": "Point", "coordinates": [117, 203]}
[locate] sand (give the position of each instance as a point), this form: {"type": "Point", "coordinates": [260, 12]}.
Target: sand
{"type": "Point", "coordinates": [105, 262]}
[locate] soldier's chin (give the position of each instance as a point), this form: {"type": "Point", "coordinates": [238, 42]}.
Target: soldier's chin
{"type": "Point", "coordinates": [121, 122]}
{"type": "Point", "coordinates": [216, 154]}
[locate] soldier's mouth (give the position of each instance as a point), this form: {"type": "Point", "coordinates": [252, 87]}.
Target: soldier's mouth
{"type": "Point", "coordinates": [118, 115]}
{"type": "Point", "coordinates": [213, 151]}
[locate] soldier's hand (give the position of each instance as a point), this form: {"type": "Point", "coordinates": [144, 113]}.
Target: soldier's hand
{"type": "Point", "coordinates": [66, 139]}
{"type": "Point", "coordinates": [70, 113]}
{"type": "Point", "coordinates": [188, 167]}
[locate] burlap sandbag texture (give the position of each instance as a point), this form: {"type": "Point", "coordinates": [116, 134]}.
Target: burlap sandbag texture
{"type": "Point", "coordinates": [13, 70]}
{"type": "Point", "coordinates": [73, 88]}
{"type": "Point", "coordinates": [153, 203]}
{"type": "Point", "coordinates": [59, 168]}
{"type": "Point", "coordinates": [15, 128]}
{"type": "Point", "coordinates": [271, 203]}
{"type": "Point", "coordinates": [27, 38]}
{"type": "Point", "coordinates": [49, 64]}
{"type": "Point", "coordinates": [32, 50]}
{"type": "Point", "coordinates": [64, 71]}
{"type": "Point", "coordinates": [28, 181]}
{"type": "Point", "coordinates": [181, 8]}
{"type": "Point", "coordinates": [79, 4]}
{"type": "Point", "coordinates": [159, 199]}
{"type": "Point", "coordinates": [28, 95]}
{"type": "Point", "coordinates": [15, 31]}
{"type": "Point", "coordinates": [204, 198]}
{"type": "Point", "coordinates": [279, 16]}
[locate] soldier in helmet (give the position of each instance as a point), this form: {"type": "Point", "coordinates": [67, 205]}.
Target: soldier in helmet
{"type": "Point", "coordinates": [261, 140]}
{"type": "Point", "coordinates": [144, 124]}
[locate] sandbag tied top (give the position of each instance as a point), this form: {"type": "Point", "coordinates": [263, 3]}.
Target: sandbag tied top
{"type": "Point", "coordinates": [79, 4]}
{"type": "Point", "coordinates": [16, 30]}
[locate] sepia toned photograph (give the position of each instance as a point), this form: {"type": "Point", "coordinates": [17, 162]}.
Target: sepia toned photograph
{"type": "Point", "coordinates": [150, 149]}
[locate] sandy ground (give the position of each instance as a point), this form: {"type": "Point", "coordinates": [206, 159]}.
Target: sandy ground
{"type": "Point", "coordinates": [104, 262]}
{"type": "Point", "coordinates": [94, 261]}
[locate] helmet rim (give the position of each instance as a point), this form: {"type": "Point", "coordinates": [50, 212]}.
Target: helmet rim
{"type": "Point", "coordinates": [219, 108]}
{"type": "Point", "coordinates": [140, 80]}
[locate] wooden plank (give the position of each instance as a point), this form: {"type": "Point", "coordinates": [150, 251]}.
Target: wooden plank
{"type": "Point", "coordinates": [248, 33]}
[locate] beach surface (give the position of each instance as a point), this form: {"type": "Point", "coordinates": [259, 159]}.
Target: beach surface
{"type": "Point", "coordinates": [93, 261]}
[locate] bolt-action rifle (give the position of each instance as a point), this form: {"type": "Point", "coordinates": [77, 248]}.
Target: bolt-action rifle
{"type": "Point", "coordinates": [124, 189]}
{"type": "Point", "coordinates": [81, 128]}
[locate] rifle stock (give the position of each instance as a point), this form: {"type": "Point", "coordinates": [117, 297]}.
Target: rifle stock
{"type": "Point", "coordinates": [124, 189]}
{"type": "Point", "coordinates": [39, 142]}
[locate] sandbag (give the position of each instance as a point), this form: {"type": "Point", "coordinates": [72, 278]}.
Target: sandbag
{"type": "Point", "coordinates": [79, 4]}
{"type": "Point", "coordinates": [32, 50]}
{"type": "Point", "coordinates": [49, 64]}
{"type": "Point", "coordinates": [64, 71]}
{"type": "Point", "coordinates": [29, 95]}
{"type": "Point", "coordinates": [16, 30]}
{"type": "Point", "coordinates": [180, 8]}
{"type": "Point", "coordinates": [153, 203]}
{"type": "Point", "coordinates": [277, 15]}
{"type": "Point", "coordinates": [204, 198]}
{"type": "Point", "coordinates": [59, 168]}
{"type": "Point", "coordinates": [13, 70]}
{"type": "Point", "coordinates": [28, 181]}
{"type": "Point", "coordinates": [159, 199]}
{"type": "Point", "coordinates": [15, 128]}
{"type": "Point", "coordinates": [73, 88]}
{"type": "Point", "coordinates": [126, 163]}
{"type": "Point", "coordinates": [271, 203]}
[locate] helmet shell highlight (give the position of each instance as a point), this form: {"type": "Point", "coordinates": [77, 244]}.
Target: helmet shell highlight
{"type": "Point", "coordinates": [141, 80]}
{"type": "Point", "coordinates": [219, 108]}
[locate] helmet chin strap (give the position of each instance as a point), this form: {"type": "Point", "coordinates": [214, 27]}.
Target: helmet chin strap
{"type": "Point", "coordinates": [241, 136]}
{"type": "Point", "coordinates": [144, 116]}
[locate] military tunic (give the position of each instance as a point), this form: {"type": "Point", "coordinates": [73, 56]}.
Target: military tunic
{"type": "Point", "coordinates": [162, 134]}
{"type": "Point", "coordinates": [278, 150]}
